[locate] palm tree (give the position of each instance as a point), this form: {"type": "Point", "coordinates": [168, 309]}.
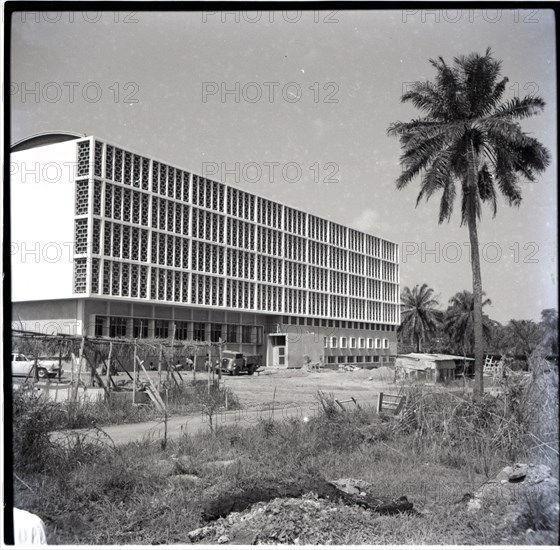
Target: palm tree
{"type": "Point", "coordinates": [522, 337]}
{"type": "Point", "coordinates": [468, 136]}
{"type": "Point", "coordinates": [419, 316]}
{"type": "Point", "coordinates": [459, 321]}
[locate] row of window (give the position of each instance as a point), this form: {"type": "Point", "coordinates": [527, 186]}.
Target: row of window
{"type": "Point", "coordinates": [352, 342]}
{"type": "Point", "coordinates": [128, 169]}
{"type": "Point", "coordinates": [141, 281]}
{"type": "Point", "coordinates": [127, 327]}
{"type": "Point", "coordinates": [126, 242]}
{"type": "Point", "coordinates": [335, 323]}
{"type": "Point", "coordinates": [333, 359]}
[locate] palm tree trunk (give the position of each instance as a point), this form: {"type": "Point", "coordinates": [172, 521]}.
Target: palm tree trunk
{"type": "Point", "coordinates": [477, 280]}
{"type": "Point", "coordinates": [477, 312]}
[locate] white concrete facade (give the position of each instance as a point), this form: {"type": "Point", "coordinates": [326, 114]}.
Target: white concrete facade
{"type": "Point", "coordinates": [135, 230]}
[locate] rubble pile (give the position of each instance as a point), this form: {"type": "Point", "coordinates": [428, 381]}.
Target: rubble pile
{"type": "Point", "coordinates": [309, 518]}
{"type": "Point", "coordinates": [305, 520]}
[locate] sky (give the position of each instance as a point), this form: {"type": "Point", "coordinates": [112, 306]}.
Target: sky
{"type": "Point", "coordinates": [295, 106]}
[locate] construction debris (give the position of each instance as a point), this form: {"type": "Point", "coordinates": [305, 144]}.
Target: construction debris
{"type": "Point", "coordinates": [302, 519]}
{"type": "Point", "coordinates": [240, 500]}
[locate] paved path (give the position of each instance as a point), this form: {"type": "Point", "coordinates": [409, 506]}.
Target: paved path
{"type": "Point", "coordinates": [177, 426]}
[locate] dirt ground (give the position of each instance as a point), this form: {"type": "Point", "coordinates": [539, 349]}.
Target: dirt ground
{"type": "Point", "coordinates": [288, 386]}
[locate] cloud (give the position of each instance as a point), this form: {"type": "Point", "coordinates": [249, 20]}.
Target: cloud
{"type": "Point", "coordinates": [369, 221]}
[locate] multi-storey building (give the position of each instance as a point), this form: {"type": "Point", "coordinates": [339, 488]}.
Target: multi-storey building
{"type": "Point", "coordinates": [109, 242]}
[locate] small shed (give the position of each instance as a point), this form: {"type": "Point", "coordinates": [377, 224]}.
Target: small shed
{"type": "Point", "coordinates": [431, 367]}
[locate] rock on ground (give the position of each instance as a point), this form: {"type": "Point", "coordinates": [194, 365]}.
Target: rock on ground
{"type": "Point", "coordinates": [527, 494]}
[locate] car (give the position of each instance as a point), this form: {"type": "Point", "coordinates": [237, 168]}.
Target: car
{"type": "Point", "coordinates": [23, 366]}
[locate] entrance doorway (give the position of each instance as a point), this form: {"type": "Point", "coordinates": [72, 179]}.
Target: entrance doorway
{"type": "Point", "coordinates": [278, 350]}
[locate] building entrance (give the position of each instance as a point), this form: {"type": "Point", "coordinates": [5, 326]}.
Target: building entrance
{"type": "Point", "coordinates": [278, 350]}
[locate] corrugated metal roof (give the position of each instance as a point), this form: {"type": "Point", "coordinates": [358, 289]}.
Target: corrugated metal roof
{"type": "Point", "coordinates": [434, 357]}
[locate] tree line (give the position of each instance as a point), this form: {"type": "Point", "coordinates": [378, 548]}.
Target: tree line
{"type": "Point", "coordinates": [427, 327]}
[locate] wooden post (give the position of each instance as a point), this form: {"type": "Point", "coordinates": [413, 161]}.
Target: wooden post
{"type": "Point", "coordinates": [159, 366]}
{"type": "Point", "coordinates": [134, 378]}
{"type": "Point", "coordinates": [59, 360]}
{"type": "Point", "coordinates": [172, 349]}
{"type": "Point", "coordinates": [108, 373]}
{"type": "Point", "coordinates": [195, 355]}
{"type": "Point", "coordinates": [208, 365]}
{"type": "Point", "coordinates": [379, 402]}
{"type": "Point", "coordinates": [79, 373]}
{"type": "Point", "coordinates": [35, 364]}
{"type": "Point", "coordinates": [220, 348]}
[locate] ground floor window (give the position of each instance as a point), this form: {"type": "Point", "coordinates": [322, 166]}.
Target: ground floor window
{"type": "Point", "coordinates": [350, 359]}
{"type": "Point", "coordinates": [367, 358]}
{"type": "Point", "coordinates": [99, 323]}
{"type": "Point", "coordinates": [359, 359]}
{"type": "Point", "coordinates": [341, 359]}
{"type": "Point", "coordinates": [117, 327]}
{"type": "Point", "coordinates": [215, 332]}
{"type": "Point", "coordinates": [331, 359]}
{"type": "Point", "coordinates": [181, 330]}
{"type": "Point", "coordinates": [161, 328]}
{"type": "Point", "coordinates": [140, 328]}
{"type": "Point", "coordinates": [247, 335]}
{"type": "Point", "coordinates": [199, 330]}
{"type": "Point", "coordinates": [231, 335]}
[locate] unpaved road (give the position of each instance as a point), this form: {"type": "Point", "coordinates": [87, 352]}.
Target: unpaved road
{"type": "Point", "coordinates": [293, 392]}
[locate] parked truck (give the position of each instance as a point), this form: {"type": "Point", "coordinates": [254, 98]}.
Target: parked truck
{"type": "Point", "coordinates": [235, 363]}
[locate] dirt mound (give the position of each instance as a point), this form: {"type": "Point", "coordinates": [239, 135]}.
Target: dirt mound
{"type": "Point", "coordinates": [317, 516]}
{"type": "Point", "coordinates": [305, 520]}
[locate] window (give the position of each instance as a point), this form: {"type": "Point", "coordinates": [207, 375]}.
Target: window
{"type": "Point", "coordinates": [231, 335]}
{"type": "Point", "coordinates": [359, 359]}
{"type": "Point", "coordinates": [161, 328]}
{"type": "Point", "coordinates": [199, 330]}
{"type": "Point", "coordinates": [331, 359]}
{"type": "Point", "coordinates": [352, 342]}
{"type": "Point", "coordinates": [117, 327]}
{"type": "Point", "coordinates": [377, 343]}
{"type": "Point", "coordinates": [362, 343]}
{"type": "Point", "coordinates": [140, 328]}
{"type": "Point", "coordinates": [246, 334]}
{"type": "Point", "coordinates": [376, 358]}
{"type": "Point", "coordinates": [215, 332]}
{"type": "Point", "coordinates": [350, 359]}
{"type": "Point", "coordinates": [334, 342]}
{"type": "Point", "coordinates": [99, 323]}
{"type": "Point", "coordinates": [370, 343]}
{"type": "Point", "coordinates": [343, 342]}
{"type": "Point", "coordinates": [341, 359]}
{"type": "Point", "coordinates": [385, 343]}
{"type": "Point", "coordinates": [181, 330]}
{"type": "Point", "coordinates": [326, 342]}
{"type": "Point", "coordinates": [367, 358]}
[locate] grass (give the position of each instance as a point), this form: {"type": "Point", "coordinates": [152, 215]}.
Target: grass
{"type": "Point", "coordinates": [443, 447]}
{"type": "Point", "coordinates": [84, 413]}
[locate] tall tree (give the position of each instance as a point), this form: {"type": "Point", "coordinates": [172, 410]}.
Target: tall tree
{"type": "Point", "coordinates": [419, 314]}
{"type": "Point", "coordinates": [459, 322]}
{"type": "Point", "coordinates": [522, 337]}
{"type": "Point", "coordinates": [469, 137]}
